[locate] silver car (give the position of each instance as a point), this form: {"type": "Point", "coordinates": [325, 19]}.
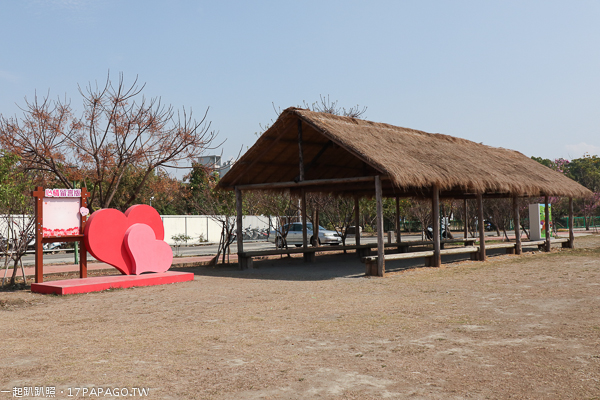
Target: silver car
{"type": "Point", "coordinates": [294, 235]}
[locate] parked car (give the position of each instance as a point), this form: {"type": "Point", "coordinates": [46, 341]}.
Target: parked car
{"type": "Point", "coordinates": [294, 235]}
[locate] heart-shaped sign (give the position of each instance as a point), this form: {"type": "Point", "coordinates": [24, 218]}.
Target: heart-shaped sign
{"type": "Point", "coordinates": [105, 233]}
{"type": "Point", "coordinates": [147, 254]}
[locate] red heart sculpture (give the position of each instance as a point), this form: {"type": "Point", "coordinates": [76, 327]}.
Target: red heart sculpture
{"type": "Point", "coordinates": [147, 254]}
{"type": "Point", "coordinates": [105, 233]}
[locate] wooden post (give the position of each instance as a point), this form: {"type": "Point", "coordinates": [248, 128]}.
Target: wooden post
{"type": "Point", "coordinates": [571, 234]}
{"type": "Point", "coordinates": [315, 221]}
{"type": "Point", "coordinates": [398, 235]}
{"type": "Point", "coordinates": [436, 260]}
{"type": "Point", "coordinates": [356, 222]}
{"type": "Point", "coordinates": [466, 227]}
{"type": "Point", "coordinates": [481, 226]}
{"type": "Point", "coordinates": [300, 153]}
{"type": "Point", "coordinates": [82, 249]}
{"type": "Point", "coordinates": [517, 223]}
{"type": "Point", "coordinates": [38, 194]}
{"type": "Point", "coordinates": [240, 236]}
{"type": "Point", "coordinates": [547, 223]}
{"type": "Point", "coordinates": [380, 246]}
{"type": "Point", "coordinates": [307, 257]}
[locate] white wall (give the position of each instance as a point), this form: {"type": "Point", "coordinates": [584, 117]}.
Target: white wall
{"type": "Point", "coordinates": [191, 225]}
{"type": "Point", "coordinates": [196, 225]}
{"type": "Point", "coordinates": [18, 221]}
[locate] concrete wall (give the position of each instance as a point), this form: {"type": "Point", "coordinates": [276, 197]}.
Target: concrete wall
{"type": "Point", "coordinates": [191, 225]}
{"type": "Point", "coordinates": [197, 225]}
{"type": "Point", "coordinates": [18, 222]}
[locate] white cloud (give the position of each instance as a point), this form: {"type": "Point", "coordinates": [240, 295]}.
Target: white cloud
{"type": "Point", "coordinates": [578, 150]}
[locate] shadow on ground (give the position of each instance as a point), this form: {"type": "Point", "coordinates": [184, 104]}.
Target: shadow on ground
{"type": "Point", "coordinates": [326, 266]}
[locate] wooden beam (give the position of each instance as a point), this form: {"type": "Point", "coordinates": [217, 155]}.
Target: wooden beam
{"type": "Point", "coordinates": [517, 223]}
{"type": "Point", "coordinates": [380, 245]}
{"type": "Point", "coordinates": [359, 156]}
{"type": "Point", "coordinates": [240, 234]}
{"type": "Point", "coordinates": [38, 195]}
{"type": "Point", "coordinates": [435, 204]}
{"type": "Point", "coordinates": [547, 223]}
{"type": "Point", "coordinates": [300, 153]}
{"type": "Point", "coordinates": [398, 235]}
{"type": "Point", "coordinates": [315, 224]}
{"type": "Point", "coordinates": [466, 221]}
{"type": "Point", "coordinates": [292, 184]}
{"type": "Point", "coordinates": [315, 158]}
{"type": "Point", "coordinates": [82, 249]}
{"type": "Point", "coordinates": [356, 220]}
{"type": "Point", "coordinates": [571, 234]}
{"type": "Point", "coordinates": [304, 227]}
{"type": "Point", "coordinates": [481, 226]}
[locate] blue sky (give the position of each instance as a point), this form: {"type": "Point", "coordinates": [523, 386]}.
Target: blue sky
{"type": "Point", "coordinates": [520, 74]}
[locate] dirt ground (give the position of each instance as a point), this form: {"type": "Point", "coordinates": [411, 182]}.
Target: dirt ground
{"type": "Point", "coordinates": [522, 327]}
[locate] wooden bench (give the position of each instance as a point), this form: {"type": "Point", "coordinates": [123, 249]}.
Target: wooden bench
{"type": "Point", "coordinates": [510, 247]}
{"type": "Point", "coordinates": [541, 243]}
{"type": "Point", "coordinates": [371, 261]}
{"type": "Point", "coordinates": [365, 250]}
{"type": "Point", "coordinates": [246, 257]}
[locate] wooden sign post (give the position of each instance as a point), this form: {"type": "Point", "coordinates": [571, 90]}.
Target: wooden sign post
{"type": "Point", "coordinates": [60, 216]}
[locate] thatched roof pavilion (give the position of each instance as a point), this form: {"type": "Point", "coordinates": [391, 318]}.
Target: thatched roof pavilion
{"type": "Point", "coordinates": [312, 151]}
{"type": "Point", "coordinates": [410, 162]}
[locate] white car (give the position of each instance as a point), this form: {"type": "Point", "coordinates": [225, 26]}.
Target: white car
{"type": "Point", "coordinates": [294, 235]}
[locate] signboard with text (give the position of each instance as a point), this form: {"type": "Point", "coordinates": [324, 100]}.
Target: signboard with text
{"type": "Point", "coordinates": [62, 212]}
{"type": "Point", "coordinates": [60, 216]}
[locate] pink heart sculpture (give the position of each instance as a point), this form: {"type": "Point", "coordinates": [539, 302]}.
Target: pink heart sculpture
{"type": "Point", "coordinates": [104, 233]}
{"type": "Point", "coordinates": [147, 253]}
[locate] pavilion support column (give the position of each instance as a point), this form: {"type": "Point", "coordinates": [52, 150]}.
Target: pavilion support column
{"type": "Point", "coordinates": [398, 235]}
{"type": "Point", "coordinates": [547, 223]}
{"type": "Point", "coordinates": [466, 227]}
{"type": "Point", "coordinates": [380, 245]}
{"type": "Point", "coordinates": [242, 261]}
{"type": "Point", "coordinates": [571, 234]}
{"type": "Point", "coordinates": [435, 208]}
{"type": "Point", "coordinates": [307, 257]}
{"type": "Point", "coordinates": [517, 223]}
{"type": "Point", "coordinates": [315, 241]}
{"type": "Point", "coordinates": [356, 221]}
{"type": "Point", "coordinates": [481, 226]}
{"type": "Point", "coordinates": [300, 153]}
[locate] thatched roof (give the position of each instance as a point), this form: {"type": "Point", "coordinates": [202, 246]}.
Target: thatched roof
{"type": "Point", "coordinates": [410, 162]}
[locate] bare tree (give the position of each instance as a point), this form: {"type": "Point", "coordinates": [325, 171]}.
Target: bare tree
{"type": "Point", "coordinates": [338, 211]}
{"type": "Point", "coordinates": [16, 210]}
{"type": "Point", "coordinates": [499, 212]}
{"type": "Point", "coordinates": [218, 205]}
{"type": "Point", "coordinates": [284, 206]}
{"type": "Point", "coordinates": [19, 229]}
{"type": "Point", "coordinates": [119, 128]}
{"type": "Point", "coordinates": [421, 210]}
{"type": "Point", "coordinates": [325, 105]}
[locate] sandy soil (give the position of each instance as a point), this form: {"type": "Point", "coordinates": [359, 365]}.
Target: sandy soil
{"type": "Point", "coordinates": [523, 327]}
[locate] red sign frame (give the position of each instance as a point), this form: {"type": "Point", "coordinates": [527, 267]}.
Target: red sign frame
{"type": "Point", "coordinates": [39, 194]}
